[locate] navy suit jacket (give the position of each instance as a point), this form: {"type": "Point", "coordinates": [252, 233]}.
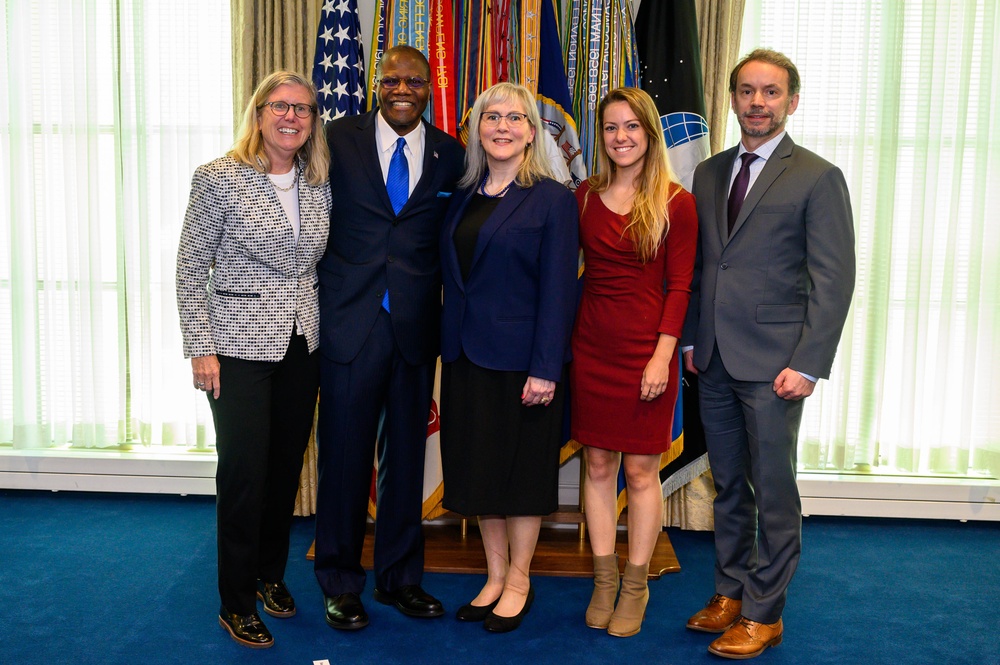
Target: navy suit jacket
{"type": "Point", "coordinates": [516, 311]}
{"type": "Point", "coordinates": [776, 292]}
{"type": "Point", "coordinates": [371, 249]}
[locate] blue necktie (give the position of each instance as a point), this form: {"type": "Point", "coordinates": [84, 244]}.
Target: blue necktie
{"type": "Point", "coordinates": [397, 182]}
{"type": "Point", "coordinates": [397, 185]}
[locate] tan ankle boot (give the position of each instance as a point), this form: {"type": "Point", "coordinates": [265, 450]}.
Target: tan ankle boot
{"type": "Point", "coordinates": [602, 603]}
{"type": "Point", "coordinates": [631, 609]}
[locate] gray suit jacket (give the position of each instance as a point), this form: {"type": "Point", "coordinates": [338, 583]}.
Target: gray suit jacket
{"type": "Point", "coordinates": [776, 293]}
{"type": "Point", "coordinates": [241, 277]}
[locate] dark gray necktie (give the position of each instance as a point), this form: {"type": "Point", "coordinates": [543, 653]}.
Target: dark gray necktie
{"type": "Point", "coordinates": [739, 190]}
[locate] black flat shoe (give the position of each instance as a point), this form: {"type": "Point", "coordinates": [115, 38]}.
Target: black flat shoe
{"type": "Point", "coordinates": [472, 612]}
{"type": "Point", "coordinates": [247, 629]}
{"type": "Point", "coordinates": [346, 612]}
{"type": "Point", "coordinates": [278, 602]}
{"type": "Point", "coordinates": [499, 624]}
{"type": "Point", "coordinates": [412, 601]}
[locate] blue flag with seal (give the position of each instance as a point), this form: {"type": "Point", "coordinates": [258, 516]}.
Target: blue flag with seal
{"type": "Point", "coordinates": [667, 42]}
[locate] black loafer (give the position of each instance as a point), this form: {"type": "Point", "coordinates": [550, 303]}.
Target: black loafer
{"type": "Point", "coordinates": [247, 629]}
{"type": "Point", "coordinates": [346, 612]}
{"type": "Point", "coordinates": [472, 612]}
{"type": "Point", "coordinates": [412, 601]}
{"type": "Point", "coordinates": [278, 602]}
{"type": "Point", "coordinates": [499, 624]}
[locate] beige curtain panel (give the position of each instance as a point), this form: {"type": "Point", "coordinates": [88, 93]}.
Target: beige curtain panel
{"type": "Point", "coordinates": [270, 35]}
{"type": "Point", "coordinates": [719, 26]}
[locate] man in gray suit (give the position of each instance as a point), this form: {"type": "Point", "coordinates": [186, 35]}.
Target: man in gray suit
{"type": "Point", "coordinates": [772, 287]}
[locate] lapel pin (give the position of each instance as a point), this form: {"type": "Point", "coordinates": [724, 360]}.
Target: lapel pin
{"type": "Point", "coordinates": [435, 154]}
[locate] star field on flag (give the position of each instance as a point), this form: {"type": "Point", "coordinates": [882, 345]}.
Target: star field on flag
{"type": "Point", "coordinates": [338, 70]}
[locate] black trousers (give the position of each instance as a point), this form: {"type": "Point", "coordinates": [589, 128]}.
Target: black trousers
{"type": "Point", "coordinates": [263, 417]}
{"type": "Point", "coordinates": [378, 385]}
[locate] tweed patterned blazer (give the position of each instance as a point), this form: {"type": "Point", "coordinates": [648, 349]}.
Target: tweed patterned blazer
{"type": "Point", "coordinates": [241, 278]}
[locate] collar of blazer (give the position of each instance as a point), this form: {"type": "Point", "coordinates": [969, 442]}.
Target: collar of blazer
{"type": "Point", "coordinates": [773, 168]}
{"type": "Point", "coordinates": [368, 150]}
{"type": "Point", "coordinates": [500, 216]}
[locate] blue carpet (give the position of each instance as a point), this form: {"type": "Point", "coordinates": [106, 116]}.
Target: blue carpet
{"type": "Point", "coordinates": [103, 578]}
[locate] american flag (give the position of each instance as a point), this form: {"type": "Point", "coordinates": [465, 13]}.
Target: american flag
{"type": "Point", "coordinates": [339, 71]}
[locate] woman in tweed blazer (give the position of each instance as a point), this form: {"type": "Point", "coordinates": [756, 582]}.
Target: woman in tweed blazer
{"type": "Point", "coordinates": [255, 228]}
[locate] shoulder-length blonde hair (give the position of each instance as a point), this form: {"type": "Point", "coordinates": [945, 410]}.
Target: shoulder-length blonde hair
{"type": "Point", "coordinates": [649, 221]}
{"type": "Point", "coordinates": [249, 145]}
{"type": "Point", "coordinates": [535, 166]}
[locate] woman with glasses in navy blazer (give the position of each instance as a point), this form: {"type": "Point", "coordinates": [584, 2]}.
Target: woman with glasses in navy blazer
{"type": "Point", "coordinates": [509, 265]}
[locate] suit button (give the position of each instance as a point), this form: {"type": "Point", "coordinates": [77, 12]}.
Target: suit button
{"type": "Point", "coordinates": [390, 258]}
{"type": "Point", "coordinates": [395, 222]}
{"type": "Point", "coordinates": [725, 266]}
{"type": "Point", "coordinates": [380, 293]}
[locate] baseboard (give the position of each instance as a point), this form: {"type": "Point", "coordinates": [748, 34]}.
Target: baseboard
{"type": "Point", "coordinates": [900, 496]}
{"type": "Point", "coordinates": [822, 493]}
{"type": "Point", "coordinates": [126, 472]}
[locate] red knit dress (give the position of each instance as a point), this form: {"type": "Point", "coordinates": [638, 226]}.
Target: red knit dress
{"type": "Point", "coordinates": [625, 306]}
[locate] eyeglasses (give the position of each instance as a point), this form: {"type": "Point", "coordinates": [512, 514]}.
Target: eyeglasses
{"type": "Point", "coordinates": [281, 108]}
{"type": "Point", "coordinates": [412, 82]}
{"type": "Point", "coordinates": [513, 119]}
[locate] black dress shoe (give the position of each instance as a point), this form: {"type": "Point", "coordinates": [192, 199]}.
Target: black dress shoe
{"type": "Point", "coordinates": [278, 602]}
{"type": "Point", "coordinates": [246, 629]}
{"type": "Point", "coordinates": [472, 612]}
{"type": "Point", "coordinates": [345, 612]}
{"type": "Point", "coordinates": [412, 601]}
{"type": "Point", "coordinates": [499, 624]}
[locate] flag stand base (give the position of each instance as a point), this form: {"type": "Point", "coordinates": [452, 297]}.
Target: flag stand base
{"type": "Point", "coordinates": [561, 552]}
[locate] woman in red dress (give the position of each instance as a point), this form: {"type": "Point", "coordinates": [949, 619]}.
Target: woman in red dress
{"type": "Point", "coordinates": [638, 230]}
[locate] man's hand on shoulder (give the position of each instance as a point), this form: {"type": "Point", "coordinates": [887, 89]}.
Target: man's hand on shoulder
{"type": "Point", "coordinates": [792, 385]}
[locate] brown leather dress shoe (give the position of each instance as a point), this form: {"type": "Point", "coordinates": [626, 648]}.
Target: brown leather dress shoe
{"type": "Point", "coordinates": [747, 639]}
{"type": "Point", "coordinates": [717, 616]}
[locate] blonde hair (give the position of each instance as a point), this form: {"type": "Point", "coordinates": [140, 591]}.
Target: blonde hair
{"type": "Point", "coordinates": [649, 220]}
{"type": "Point", "coordinates": [249, 145]}
{"type": "Point", "coordinates": [534, 167]}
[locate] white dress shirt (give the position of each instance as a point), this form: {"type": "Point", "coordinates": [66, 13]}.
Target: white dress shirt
{"type": "Point", "coordinates": [763, 153]}
{"type": "Point", "coordinates": [385, 141]}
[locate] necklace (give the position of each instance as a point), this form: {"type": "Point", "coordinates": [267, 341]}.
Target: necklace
{"type": "Point", "coordinates": [295, 181]}
{"type": "Point", "coordinates": [482, 188]}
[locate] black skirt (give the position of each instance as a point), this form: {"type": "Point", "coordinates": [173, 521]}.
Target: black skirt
{"type": "Point", "coordinates": [498, 456]}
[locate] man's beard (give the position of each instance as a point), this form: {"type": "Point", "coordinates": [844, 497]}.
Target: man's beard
{"type": "Point", "coordinates": [756, 132]}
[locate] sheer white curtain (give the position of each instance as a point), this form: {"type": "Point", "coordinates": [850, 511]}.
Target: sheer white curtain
{"type": "Point", "coordinates": [903, 96]}
{"type": "Point", "coordinates": [109, 107]}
